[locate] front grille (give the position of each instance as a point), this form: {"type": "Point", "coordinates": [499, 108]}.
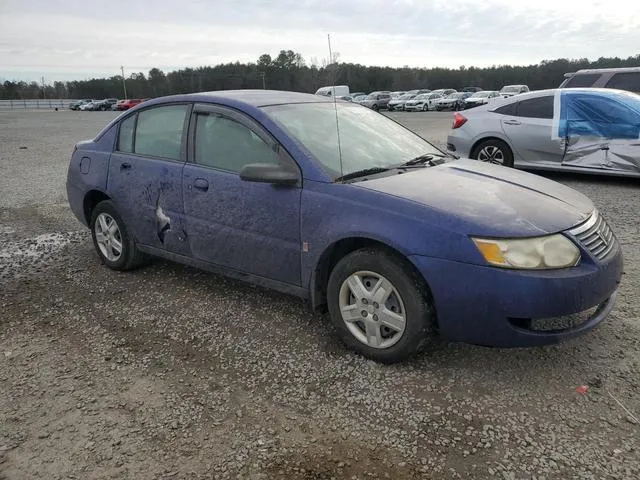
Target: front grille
{"type": "Point", "coordinates": [596, 236]}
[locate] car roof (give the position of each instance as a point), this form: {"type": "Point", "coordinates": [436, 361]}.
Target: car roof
{"type": "Point", "coordinates": [551, 91]}
{"type": "Point", "coordinates": [254, 98]}
{"type": "Point", "coordinates": [605, 70]}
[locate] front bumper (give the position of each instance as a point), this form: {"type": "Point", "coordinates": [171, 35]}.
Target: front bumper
{"type": "Point", "coordinates": [510, 308]}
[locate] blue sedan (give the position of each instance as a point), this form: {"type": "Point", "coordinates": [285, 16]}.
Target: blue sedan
{"type": "Point", "coordinates": [344, 207]}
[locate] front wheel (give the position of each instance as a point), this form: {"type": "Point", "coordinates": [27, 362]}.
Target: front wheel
{"type": "Point", "coordinates": [425, 107]}
{"type": "Point", "coordinates": [375, 107]}
{"type": "Point", "coordinates": [113, 242]}
{"type": "Point", "coordinates": [379, 306]}
{"type": "Point", "coordinates": [493, 151]}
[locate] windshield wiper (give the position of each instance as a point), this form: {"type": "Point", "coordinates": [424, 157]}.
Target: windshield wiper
{"type": "Point", "coordinates": [423, 159]}
{"type": "Point", "coordinates": [362, 173]}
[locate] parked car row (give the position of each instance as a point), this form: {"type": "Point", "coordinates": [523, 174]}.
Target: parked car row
{"type": "Point", "coordinates": [421, 99]}
{"type": "Point", "coordinates": [105, 104]}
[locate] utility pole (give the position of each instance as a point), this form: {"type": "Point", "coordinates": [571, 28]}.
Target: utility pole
{"type": "Point", "coordinates": [262, 74]}
{"type": "Point", "coordinates": [124, 84]}
{"type": "Point", "coordinates": [44, 89]}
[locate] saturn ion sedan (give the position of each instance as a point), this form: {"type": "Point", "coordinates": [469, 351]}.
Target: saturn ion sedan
{"type": "Point", "coordinates": [396, 240]}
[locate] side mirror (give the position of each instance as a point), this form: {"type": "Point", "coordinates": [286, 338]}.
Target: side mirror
{"type": "Point", "coordinates": [274, 173]}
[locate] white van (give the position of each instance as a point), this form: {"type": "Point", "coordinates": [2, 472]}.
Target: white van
{"type": "Point", "coordinates": [340, 90]}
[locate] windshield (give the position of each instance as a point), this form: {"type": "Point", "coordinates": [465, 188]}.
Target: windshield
{"type": "Point", "coordinates": [455, 95]}
{"type": "Point", "coordinates": [367, 139]}
{"type": "Point", "coordinates": [408, 96]}
{"type": "Point", "coordinates": [372, 96]}
{"type": "Point", "coordinates": [422, 96]}
{"type": "Point", "coordinates": [480, 95]}
{"type": "Point", "coordinates": [511, 88]}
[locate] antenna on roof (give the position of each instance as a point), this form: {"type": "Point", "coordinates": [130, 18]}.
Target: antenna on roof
{"type": "Point", "coordinates": [335, 102]}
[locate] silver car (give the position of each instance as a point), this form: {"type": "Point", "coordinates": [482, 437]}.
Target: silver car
{"type": "Point", "coordinates": [480, 98]}
{"type": "Point", "coordinates": [579, 130]}
{"type": "Point", "coordinates": [511, 90]}
{"type": "Point", "coordinates": [398, 103]}
{"type": "Point", "coordinates": [424, 102]}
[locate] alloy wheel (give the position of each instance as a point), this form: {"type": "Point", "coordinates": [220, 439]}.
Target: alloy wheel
{"type": "Point", "coordinates": [491, 154]}
{"type": "Point", "coordinates": [108, 237]}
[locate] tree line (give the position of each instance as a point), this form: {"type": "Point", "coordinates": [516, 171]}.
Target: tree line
{"type": "Point", "coordinates": [289, 71]}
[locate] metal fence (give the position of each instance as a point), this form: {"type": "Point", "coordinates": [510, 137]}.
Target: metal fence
{"type": "Point", "coordinates": [48, 103]}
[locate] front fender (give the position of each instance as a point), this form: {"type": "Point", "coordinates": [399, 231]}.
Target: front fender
{"type": "Point", "coordinates": [331, 212]}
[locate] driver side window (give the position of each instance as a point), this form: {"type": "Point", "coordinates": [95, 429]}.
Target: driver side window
{"type": "Point", "coordinates": [224, 143]}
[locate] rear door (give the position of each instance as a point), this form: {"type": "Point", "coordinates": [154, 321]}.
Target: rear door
{"type": "Point", "coordinates": [145, 175]}
{"type": "Point", "coordinates": [529, 131]}
{"type": "Point", "coordinates": [247, 226]}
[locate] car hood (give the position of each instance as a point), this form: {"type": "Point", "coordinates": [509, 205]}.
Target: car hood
{"type": "Point", "coordinates": [489, 200]}
{"type": "Point", "coordinates": [475, 99]}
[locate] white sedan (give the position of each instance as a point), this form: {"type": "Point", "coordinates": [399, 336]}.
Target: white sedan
{"type": "Point", "coordinates": [424, 102]}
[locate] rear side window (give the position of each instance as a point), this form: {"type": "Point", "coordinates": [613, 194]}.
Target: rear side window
{"type": "Point", "coordinates": [125, 137]}
{"type": "Point", "coordinates": [224, 143]}
{"type": "Point", "coordinates": [541, 107]}
{"type": "Point", "coordinates": [629, 81]}
{"type": "Point", "coordinates": [159, 131]}
{"type": "Point", "coordinates": [584, 80]}
{"type": "Point", "coordinates": [507, 109]}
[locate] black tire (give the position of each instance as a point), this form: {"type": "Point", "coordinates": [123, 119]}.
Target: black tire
{"type": "Point", "coordinates": [507, 154]}
{"type": "Point", "coordinates": [425, 107]}
{"type": "Point", "coordinates": [375, 107]}
{"type": "Point", "coordinates": [420, 323]}
{"type": "Point", "coordinates": [130, 256]}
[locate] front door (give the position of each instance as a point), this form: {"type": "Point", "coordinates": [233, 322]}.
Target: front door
{"type": "Point", "coordinates": [145, 175]}
{"type": "Point", "coordinates": [602, 131]}
{"type": "Point", "coordinates": [247, 226]}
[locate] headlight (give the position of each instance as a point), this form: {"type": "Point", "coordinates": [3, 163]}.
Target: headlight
{"type": "Point", "coordinates": [539, 253]}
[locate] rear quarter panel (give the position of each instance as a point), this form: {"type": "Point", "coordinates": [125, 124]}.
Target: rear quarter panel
{"type": "Point", "coordinates": [480, 125]}
{"type": "Point", "coordinates": [88, 170]}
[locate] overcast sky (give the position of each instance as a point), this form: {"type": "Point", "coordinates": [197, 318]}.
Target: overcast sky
{"type": "Point", "coordinates": [69, 39]}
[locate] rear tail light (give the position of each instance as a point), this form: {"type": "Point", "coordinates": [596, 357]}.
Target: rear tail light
{"type": "Point", "coordinates": [458, 120]}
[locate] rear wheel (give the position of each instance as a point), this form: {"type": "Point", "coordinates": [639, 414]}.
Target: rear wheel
{"type": "Point", "coordinates": [425, 107]}
{"type": "Point", "coordinates": [493, 151]}
{"type": "Point", "coordinates": [111, 239]}
{"type": "Point", "coordinates": [375, 107]}
{"type": "Point", "coordinates": [379, 306]}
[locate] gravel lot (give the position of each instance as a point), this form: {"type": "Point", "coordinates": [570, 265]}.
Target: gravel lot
{"type": "Point", "coordinates": [169, 372]}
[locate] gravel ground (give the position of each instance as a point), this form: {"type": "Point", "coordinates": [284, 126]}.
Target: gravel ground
{"type": "Point", "coordinates": [168, 372]}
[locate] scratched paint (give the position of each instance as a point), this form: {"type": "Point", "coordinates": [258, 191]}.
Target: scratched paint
{"type": "Point", "coordinates": [163, 222]}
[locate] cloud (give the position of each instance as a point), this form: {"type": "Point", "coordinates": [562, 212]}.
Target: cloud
{"type": "Point", "coordinates": [67, 38]}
